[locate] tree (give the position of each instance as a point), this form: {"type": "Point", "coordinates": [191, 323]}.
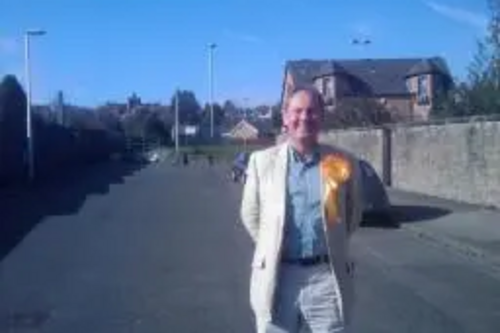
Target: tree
{"type": "Point", "coordinates": [109, 119]}
{"type": "Point", "coordinates": [277, 118]}
{"type": "Point", "coordinates": [82, 119]}
{"type": "Point", "coordinates": [218, 114]}
{"type": "Point", "coordinates": [486, 65]}
{"type": "Point", "coordinates": [230, 109]}
{"type": "Point", "coordinates": [156, 129]}
{"type": "Point", "coordinates": [358, 112]}
{"type": "Point", "coordinates": [12, 103]}
{"type": "Point", "coordinates": [189, 107]}
{"type": "Point", "coordinates": [481, 93]}
{"type": "Point", "coordinates": [451, 103]}
{"type": "Point", "coordinates": [12, 126]}
{"type": "Point", "coordinates": [165, 115]}
{"type": "Point", "coordinates": [145, 124]}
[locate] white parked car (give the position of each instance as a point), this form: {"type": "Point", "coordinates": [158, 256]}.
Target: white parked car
{"type": "Point", "coordinates": [154, 157]}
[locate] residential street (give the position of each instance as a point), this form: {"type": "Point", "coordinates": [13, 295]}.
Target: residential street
{"type": "Point", "coordinates": [160, 249]}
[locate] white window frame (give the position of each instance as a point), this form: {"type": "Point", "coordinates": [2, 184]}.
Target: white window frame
{"type": "Point", "coordinates": [423, 97]}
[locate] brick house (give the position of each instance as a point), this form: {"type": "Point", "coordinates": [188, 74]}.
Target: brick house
{"type": "Point", "coordinates": [407, 87]}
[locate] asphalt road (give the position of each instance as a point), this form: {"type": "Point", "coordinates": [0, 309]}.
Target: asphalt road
{"type": "Point", "coordinates": [161, 249]}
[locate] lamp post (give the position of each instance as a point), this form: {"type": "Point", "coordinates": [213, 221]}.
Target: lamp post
{"type": "Point", "coordinates": [245, 117]}
{"type": "Point", "coordinates": [29, 128]}
{"type": "Point", "coordinates": [363, 41]}
{"type": "Point", "coordinates": [211, 48]}
{"type": "Point", "coordinates": [177, 122]}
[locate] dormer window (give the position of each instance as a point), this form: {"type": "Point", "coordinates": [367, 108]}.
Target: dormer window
{"type": "Point", "coordinates": [423, 90]}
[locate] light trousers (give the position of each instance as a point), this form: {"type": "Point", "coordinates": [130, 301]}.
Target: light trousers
{"type": "Point", "coordinates": [307, 300]}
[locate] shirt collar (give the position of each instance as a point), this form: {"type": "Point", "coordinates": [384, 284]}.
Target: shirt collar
{"type": "Point", "coordinates": [309, 158]}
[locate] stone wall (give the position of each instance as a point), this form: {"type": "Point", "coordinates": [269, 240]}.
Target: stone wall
{"type": "Point", "coordinates": [456, 161]}
{"type": "Point", "coordinates": [366, 144]}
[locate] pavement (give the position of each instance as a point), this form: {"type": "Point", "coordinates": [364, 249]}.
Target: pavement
{"type": "Point", "coordinates": [437, 273]}
{"type": "Point", "coordinates": [159, 248]}
{"type": "Point", "coordinates": [469, 230]}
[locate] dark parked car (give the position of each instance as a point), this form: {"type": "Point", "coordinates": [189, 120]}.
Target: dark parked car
{"type": "Point", "coordinates": [377, 205]}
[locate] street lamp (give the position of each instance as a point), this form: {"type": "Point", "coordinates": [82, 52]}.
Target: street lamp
{"type": "Point", "coordinates": [29, 128]}
{"type": "Point", "coordinates": [361, 42]}
{"type": "Point", "coordinates": [245, 117]}
{"type": "Point", "coordinates": [356, 41]}
{"type": "Point", "coordinates": [211, 48]}
{"type": "Point", "coordinates": [177, 122]}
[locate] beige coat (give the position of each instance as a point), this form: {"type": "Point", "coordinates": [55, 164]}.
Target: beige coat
{"type": "Point", "coordinates": [263, 215]}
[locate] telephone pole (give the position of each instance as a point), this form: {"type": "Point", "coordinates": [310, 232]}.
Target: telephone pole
{"type": "Point", "coordinates": [177, 122]}
{"type": "Point", "coordinates": [211, 48]}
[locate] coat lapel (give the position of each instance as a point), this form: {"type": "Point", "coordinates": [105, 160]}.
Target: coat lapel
{"type": "Point", "coordinates": [328, 193]}
{"type": "Point", "coordinates": [280, 180]}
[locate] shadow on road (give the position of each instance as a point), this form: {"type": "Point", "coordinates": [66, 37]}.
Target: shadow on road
{"type": "Point", "coordinates": [379, 221]}
{"type": "Point", "coordinates": [417, 213]}
{"type": "Point", "coordinates": [21, 209]}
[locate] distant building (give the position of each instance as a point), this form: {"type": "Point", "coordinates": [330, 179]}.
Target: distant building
{"type": "Point", "coordinates": [188, 134]}
{"type": "Point", "coordinates": [58, 108]}
{"type": "Point", "coordinates": [407, 87]}
{"type": "Point", "coordinates": [133, 102]}
{"type": "Point", "coordinates": [243, 130]}
{"type": "Point", "coordinates": [251, 130]}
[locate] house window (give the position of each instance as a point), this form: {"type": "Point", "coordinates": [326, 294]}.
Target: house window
{"type": "Point", "coordinates": [423, 90]}
{"type": "Point", "coordinates": [318, 84]}
{"type": "Point", "coordinates": [409, 85]}
{"type": "Point", "coordinates": [327, 90]}
{"type": "Point", "coordinates": [326, 87]}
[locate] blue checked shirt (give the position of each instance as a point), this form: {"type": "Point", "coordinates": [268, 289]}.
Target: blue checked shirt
{"type": "Point", "coordinates": [304, 234]}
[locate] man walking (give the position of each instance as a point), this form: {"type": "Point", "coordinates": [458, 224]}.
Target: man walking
{"type": "Point", "coordinates": [301, 203]}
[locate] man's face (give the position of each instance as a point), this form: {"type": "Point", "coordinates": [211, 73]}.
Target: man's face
{"type": "Point", "coordinates": [302, 117]}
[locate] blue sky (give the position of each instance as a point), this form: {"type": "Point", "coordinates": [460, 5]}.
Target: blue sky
{"type": "Point", "coordinates": [103, 50]}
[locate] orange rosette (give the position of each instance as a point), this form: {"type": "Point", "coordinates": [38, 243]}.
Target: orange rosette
{"type": "Point", "coordinates": [336, 170]}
